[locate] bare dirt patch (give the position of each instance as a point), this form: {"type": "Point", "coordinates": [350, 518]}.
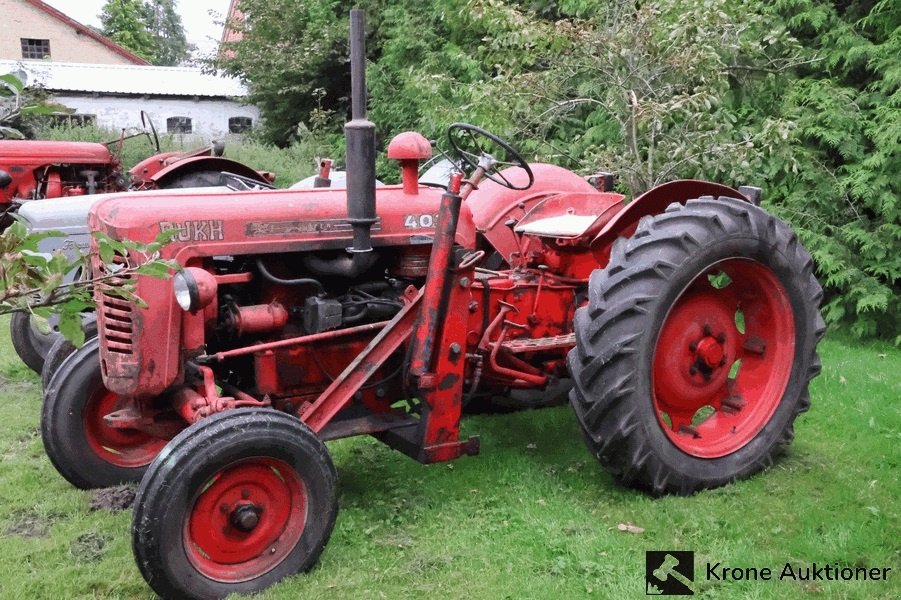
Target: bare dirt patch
{"type": "Point", "coordinates": [28, 524]}
{"type": "Point", "coordinates": [113, 499]}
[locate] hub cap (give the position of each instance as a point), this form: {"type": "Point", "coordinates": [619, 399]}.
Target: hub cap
{"type": "Point", "coordinates": [246, 520]}
{"type": "Point", "coordinates": [723, 358]}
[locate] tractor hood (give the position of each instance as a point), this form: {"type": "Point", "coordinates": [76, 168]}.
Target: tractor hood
{"type": "Point", "coordinates": [70, 215]}
{"type": "Point", "coordinates": [27, 152]}
{"type": "Point", "coordinates": [212, 224]}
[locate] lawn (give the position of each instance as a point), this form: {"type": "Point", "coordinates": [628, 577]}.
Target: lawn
{"type": "Point", "coordinates": [532, 517]}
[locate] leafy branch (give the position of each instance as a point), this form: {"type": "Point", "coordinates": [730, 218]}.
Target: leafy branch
{"type": "Point", "coordinates": [54, 283]}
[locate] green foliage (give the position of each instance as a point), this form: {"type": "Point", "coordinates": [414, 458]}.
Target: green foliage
{"type": "Point", "coordinates": [431, 64]}
{"type": "Point", "coordinates": [172, 47]}
{"type": "Point", "coordinates": [126, 23]}
{"type": "Point", "coordinates": [20, 106]}
{"type": "Point", "coordinates": [36, 282]}
{"type": "Point", "coordinates": [837, 182]}
{"type": "Point", "coordinates": [152, 29]}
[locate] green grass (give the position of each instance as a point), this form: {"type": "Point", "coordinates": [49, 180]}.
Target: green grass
{"type": "Point", "coordinates": [532, 517]}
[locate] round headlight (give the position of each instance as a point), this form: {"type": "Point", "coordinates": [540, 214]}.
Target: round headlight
{"type": "Point", "coordinates": [186, 293]}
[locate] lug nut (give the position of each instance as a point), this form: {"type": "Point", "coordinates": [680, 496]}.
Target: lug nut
{"type": "Point", "coordinates": [693, 370]}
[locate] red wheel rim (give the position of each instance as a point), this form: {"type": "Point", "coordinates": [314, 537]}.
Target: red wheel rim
{"type": "Point", "coordinates": [120, 447]}
{"type": "Point", "coordinates": [723, 358]}
{"type": "Point", "coordinates": [246, 520]}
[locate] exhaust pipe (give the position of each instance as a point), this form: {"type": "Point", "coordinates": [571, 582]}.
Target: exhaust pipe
{"type": "Point", "coordinates": [359, 134]}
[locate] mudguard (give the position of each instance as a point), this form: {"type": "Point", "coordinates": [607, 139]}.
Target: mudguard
{"type": "Point", "coordinates": [653, 202]}
{"type": "Point", "coordinates": [203, 163]}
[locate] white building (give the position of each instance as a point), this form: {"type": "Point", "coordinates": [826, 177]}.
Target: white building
{"type": "Point", "coordinates": [179, 100]}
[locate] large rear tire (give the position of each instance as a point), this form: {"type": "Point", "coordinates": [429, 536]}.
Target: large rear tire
{"type": "Point", "coordinates": [84, 450]}
{"type": "Point", "coordinates": [29, 342]}
{"type": "Point", "coordinates": [234, 504]}
{"type": "Point", "coordinates": [695, 350]}
{"type": "Point", "coordinates": [206, 178]}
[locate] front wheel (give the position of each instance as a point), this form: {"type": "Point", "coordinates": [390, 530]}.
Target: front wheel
{"type": "Point", "coordinates": [81, 446]}
{"type": "Point", "coordinates": [693, 355]}
{"type": "Point", "coordinates": [234, 503]}
{"type": "Point", "coordinates": [30, 343]}
{"type": "Point", "coordinates": [62, 348]}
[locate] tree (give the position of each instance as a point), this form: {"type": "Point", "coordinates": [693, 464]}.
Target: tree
{"type": "Point", "coordinates": [126, 22]}
{"type": "Point", "coordinates": [658, 90]}
{"type": "Point", "coordinates": [425, 64]}
{"type": "Point", "coordinates": [837, 181]}
{"type": "Point", "coordinates": [152, 29]}
{"type": "Point", "coordinates": [172, 47]}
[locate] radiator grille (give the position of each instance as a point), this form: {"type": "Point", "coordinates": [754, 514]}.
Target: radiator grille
{"type": "Point", "coordinates": [117, 315]}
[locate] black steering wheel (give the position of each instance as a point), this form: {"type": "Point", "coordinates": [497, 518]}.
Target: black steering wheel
{"type": "Point", "coordinates": [464, 139]}
{"type": "Point", "coordinates": [145, 119]}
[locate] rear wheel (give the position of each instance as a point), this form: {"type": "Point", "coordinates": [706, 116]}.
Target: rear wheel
{"type": "Point", "coordinates": [234, 504]}
{"type": "Point", "coordinates": [205, 178]}
{"type": "Point", "coordinates": [30, 343]}
{"type": "Point", "coordinates": [84, 450]}
{"type": "Point", "coordinates": [693, 356]}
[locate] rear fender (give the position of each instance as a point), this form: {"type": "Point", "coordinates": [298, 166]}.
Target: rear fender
{"type": "Point", "coordinates": [201, 163]}
{"type": "Point", "coordinates": [653, 202]}
{"type": "Point", "coordinates": [150, 166]}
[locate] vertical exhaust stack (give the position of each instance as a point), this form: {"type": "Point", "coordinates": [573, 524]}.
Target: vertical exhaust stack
{"type": "Point", "coordinates": [360, 136]}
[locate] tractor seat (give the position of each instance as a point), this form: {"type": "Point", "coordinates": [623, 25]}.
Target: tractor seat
{"type": "Point", "coordinates": [564, 226]}
{"type": "Point", "coordinates": [570, 216]}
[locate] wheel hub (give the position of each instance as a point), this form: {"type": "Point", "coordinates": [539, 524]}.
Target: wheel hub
{"type": "Point", "coordinates": [723, 358]}
{"type": "Point", "coordinates": [246, 520]}
{"type": "Point", "coordinates": [246, 517]}
{"type": "Point", "coordinates": [711, 353]}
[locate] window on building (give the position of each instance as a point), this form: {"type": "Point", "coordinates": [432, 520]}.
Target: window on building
{"type": "Point", "coordinates": [76, 120]}
{"type": "Point", "coordinates": [178, 125]}
{"type": "Point", "coordinates": [34, 48]}
{"type": "Point", "coordinates": [239, 124]}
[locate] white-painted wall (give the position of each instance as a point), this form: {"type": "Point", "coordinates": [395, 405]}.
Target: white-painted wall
{"type": "Point", "coordinates": [209, 116]}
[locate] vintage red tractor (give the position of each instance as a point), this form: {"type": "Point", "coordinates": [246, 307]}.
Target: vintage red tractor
{"type": "Point", "coordinates": [688, 321]}
{"type": "Point", "coordinates": [38, 169]}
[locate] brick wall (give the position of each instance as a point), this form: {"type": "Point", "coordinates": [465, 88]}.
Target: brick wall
{"type": "Point", "coordinates": [22, 20]}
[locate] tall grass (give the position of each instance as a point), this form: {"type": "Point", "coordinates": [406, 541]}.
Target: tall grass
{"type": "Point", "coordinates": [289, 164]}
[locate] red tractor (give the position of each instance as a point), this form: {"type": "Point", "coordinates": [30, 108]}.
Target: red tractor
{"type": "Point", "coordinates": [38, 169]}
{"type": "Point", "coordinates": [688, 321]}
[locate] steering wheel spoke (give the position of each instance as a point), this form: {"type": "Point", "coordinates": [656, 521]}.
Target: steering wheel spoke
{"type": "Point", "coordinates": [469, 142]}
